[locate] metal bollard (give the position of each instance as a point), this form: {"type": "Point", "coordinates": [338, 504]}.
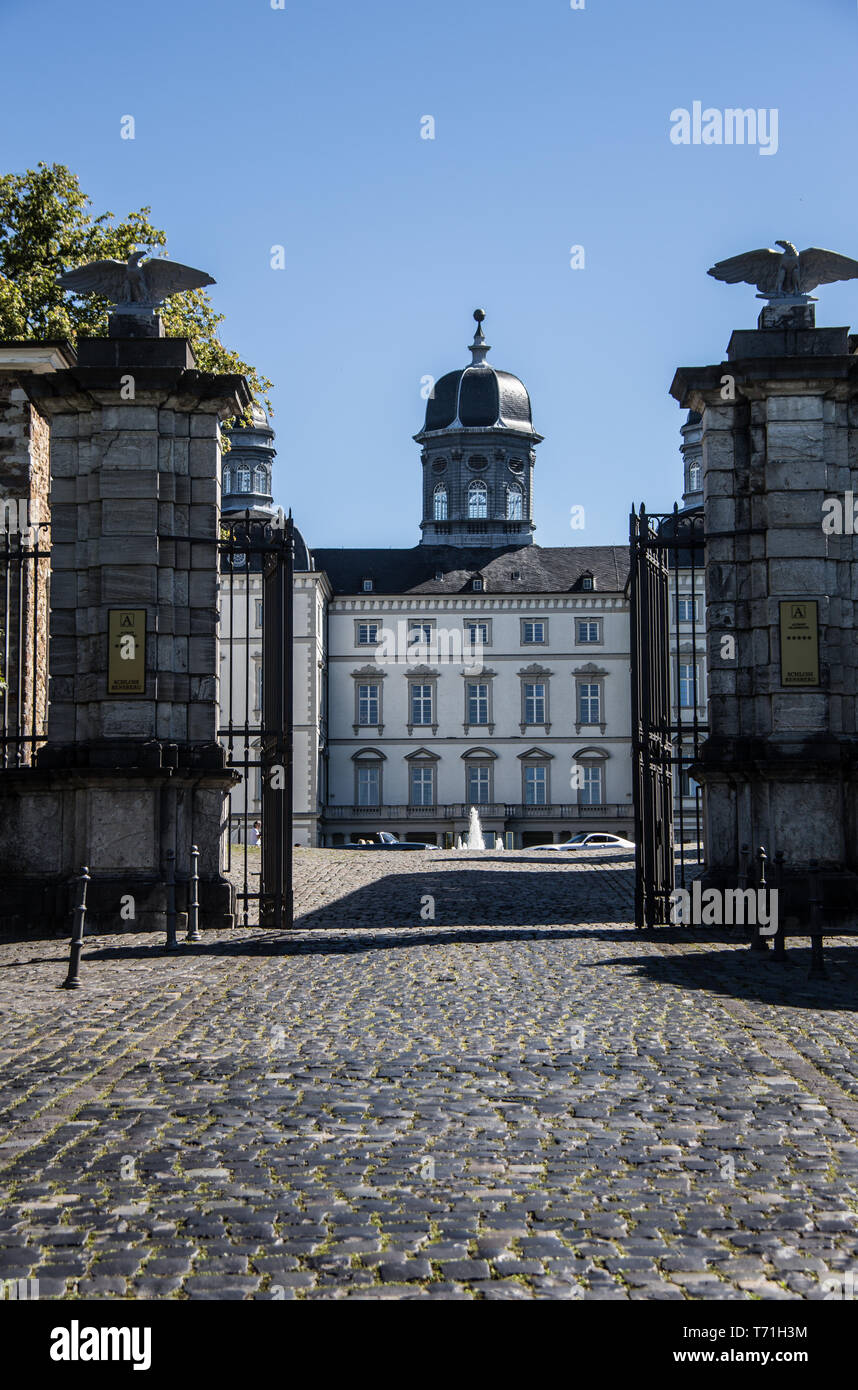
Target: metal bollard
{"type": "Point", "coordinates": [171, 943]}
{"type": "Point", "coordinates": [759, 942]}
{"type": "Point", "coordinates": [817, 959]}
{"type": "Point", "coordinates": [194, 902]}
{"type": "Point", "coordinates": [71, 981]}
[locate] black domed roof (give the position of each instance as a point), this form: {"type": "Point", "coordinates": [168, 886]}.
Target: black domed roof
{"type": "Point", "coordinates": [478, 396]}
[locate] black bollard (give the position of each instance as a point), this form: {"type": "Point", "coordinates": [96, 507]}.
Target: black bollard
{"type": "Point", "coordinates": [71, 980]}
{"type": "Point", "coordinates": [194, 903]}
{"type": "Point", "coordinates": [817, 959]}
{"type": "Point", "coordinates": [759, 942]}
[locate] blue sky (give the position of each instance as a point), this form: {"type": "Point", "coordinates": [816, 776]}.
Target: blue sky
{"type": "Point", "coordinates": [300, 127]}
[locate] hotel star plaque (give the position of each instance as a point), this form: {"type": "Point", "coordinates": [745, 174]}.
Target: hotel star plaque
{"type": "Point", "coordinates": [126, 651]}
{"type": "Point", "coordinates": [799, 642]}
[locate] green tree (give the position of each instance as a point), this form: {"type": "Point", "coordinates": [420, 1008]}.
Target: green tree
{"type": "Point", "coordinates": [46, 227]}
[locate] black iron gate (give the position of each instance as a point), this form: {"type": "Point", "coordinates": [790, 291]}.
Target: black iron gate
{"type": "Point", "coordinates": [668, 703]}
{"type": "Point", "coordinates": [25, 558]}
{"type": "Point", "coordinates": [256, 566]}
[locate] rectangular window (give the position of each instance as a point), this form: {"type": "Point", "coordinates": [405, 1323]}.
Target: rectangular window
{"type": "Point", "coordinates": [588, 704]}
{"type": "Point", "coordinates": [534, 703]}
{"type": "Point", "coordinates": [689, 786]}
{"type": "Point", "coordinates": [368, 786]}
{"type": "Point", "coordinates": [533, 634]}
{"type": "Point", "coordinates": [475, 633]}
{"type": "Point", "coordinates": [259, 612]}
{"type": "Point", "coordinates": [422, 786]}
{"type": "Point", "coordinates": [479, 785]}
{"type": "Point", "coordinates": [687, 685]}
{"type": "Point", "coordinates": [591, 790]}
{"type": "Point", "coordinates": [259, 686]}
{"type": "Point", "coordinates": [420, 633]}
{"type": "Point", "coordinates": [421, 704]}
{"type": "Point", "coordinates": [588, 630]}
{"type": "Point", "coordinates": [535, 786]}
{"type": "Point", "coordinates": [368, 704]}
{"type": "Point", "coordinates": [686, 610]}
{"type": "Point", "coordinates": [367, 634]}
{"type": "Point", "coordinates": [478, 704]}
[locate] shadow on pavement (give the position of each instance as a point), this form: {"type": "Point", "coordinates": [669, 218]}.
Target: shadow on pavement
{"type": "Point", "coordinates": [753, 975]}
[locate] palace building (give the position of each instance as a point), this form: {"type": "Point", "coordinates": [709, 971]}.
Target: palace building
{"type": "Point", "coordinates": [473, 668]}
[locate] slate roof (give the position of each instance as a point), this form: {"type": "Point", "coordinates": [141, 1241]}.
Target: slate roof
{"type": "Point", "coordinates": [479, 396]}
{"type": "Point", "coordinates": [543, 570]}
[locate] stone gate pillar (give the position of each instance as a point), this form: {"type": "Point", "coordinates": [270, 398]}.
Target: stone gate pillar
{"type": "Point", "coordinates": [780, 436]}
{"type": "Point", "coordinates": [132, 774]}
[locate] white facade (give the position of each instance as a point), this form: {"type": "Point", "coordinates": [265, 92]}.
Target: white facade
{"type": "Point", "coordinates": [531, 724]}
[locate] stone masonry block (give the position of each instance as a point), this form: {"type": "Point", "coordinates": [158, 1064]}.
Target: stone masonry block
{"type": "Point", "coordinates": [793, 407]}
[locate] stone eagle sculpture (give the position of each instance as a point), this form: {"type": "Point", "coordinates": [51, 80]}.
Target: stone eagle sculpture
{"type": "Point", "coordinates": [134, 286]}
{"type": "Point", "coordinates": [786, 274]}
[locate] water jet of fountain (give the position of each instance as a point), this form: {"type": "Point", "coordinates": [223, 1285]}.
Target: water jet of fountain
{"type": "Point", "coordinates": [475, 831]}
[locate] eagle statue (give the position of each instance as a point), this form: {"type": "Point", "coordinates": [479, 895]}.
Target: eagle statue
{"type": "Point", "coordinates": [135, 286]}
{"type": "Point", "coordinates": [787, 274]}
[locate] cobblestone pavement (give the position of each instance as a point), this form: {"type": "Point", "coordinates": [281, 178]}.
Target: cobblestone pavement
{"type": "Point", "coordinates": [520, 1098]}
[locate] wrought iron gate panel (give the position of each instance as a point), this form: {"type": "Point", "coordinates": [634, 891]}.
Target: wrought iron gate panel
{"type": "Point", "coordinates": [24, 611]}
{"type": "Point", "coordinates": [652, 779]}
{"type": "Point", "coordinates": [256, 564]}
{"type": "Point", "coordinates": [665, 745]}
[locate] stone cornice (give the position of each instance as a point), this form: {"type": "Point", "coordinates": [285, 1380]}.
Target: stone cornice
{"type": "Point", "coordinates": [170, 387]}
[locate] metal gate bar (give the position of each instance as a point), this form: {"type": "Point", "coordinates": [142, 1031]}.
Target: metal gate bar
{"type": "Point", "coordinates": [256, 567]}
{"type": "Point", "coordinates": [664, 747]}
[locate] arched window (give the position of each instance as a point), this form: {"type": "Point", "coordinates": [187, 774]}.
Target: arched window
{"type": "Point", "coordinates": [242, 479]}
{"type": "Point", "coordinates": [477, 500]}
{"type": "Point", "coordinates": [260, 480]}
{"type": "Point", "coordinates": [513, 502]}
{"type": "Point", "coordinates": [694, 478]}
{"type": "Point", "coordinates": [227, 480]}
{"type": "Point", "coordinates": [440, 512]}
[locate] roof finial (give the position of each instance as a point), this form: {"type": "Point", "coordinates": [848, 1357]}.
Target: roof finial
{"type": "Point", "coordinates": [479, 347]}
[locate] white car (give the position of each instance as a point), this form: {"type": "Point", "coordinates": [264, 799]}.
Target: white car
{"type": "Point", "coordinates": [594, 841]}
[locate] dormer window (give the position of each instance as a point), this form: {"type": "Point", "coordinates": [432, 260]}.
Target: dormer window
{"type": "Point", "coordinates": [516, 575]}
{"type": "Point", "coordinates": [439, 575]}
{"type": "Point", "coordinates": [366, 585]}
{"type": "Point", "coordinates": [477, 586]}
{"type": "Point", "coordinates": [588, 581]}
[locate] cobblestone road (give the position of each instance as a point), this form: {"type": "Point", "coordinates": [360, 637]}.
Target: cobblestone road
{"type": "Point", "coordinates": [520, 1098]}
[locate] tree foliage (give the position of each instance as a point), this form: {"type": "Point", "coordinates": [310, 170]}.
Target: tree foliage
{"type": "Point", "coordinates": [46, 227]}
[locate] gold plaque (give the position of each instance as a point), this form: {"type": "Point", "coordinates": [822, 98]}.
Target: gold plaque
{"type": "Point", "coordinates": [799, 642]}
{"type": "Point", "coordinates": [126, 651]}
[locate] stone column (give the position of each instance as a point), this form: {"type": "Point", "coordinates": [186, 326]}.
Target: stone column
{"type": "Point", "coordinates": [780, 435]}
{"type": "Point", "coordinates": [129, 781]}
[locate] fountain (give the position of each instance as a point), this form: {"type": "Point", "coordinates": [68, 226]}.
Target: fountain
{"type": "Point", "coordinates": [475, 831]}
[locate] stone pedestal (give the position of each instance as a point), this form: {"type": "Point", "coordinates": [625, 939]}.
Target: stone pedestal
{"type": "Point", "coordinates": [128, 782]}
{"type": "Point", "coordinates": [780, 768]}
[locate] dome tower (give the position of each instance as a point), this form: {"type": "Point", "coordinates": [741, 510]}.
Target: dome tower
{"type": "Point", "coordinates": [478, 455]}
{"type": "Point", "coordinates": [246, 483]}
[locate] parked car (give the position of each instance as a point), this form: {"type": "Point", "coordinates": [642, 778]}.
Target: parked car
{"type": "Point", "coordinates": [593, 841]}
{"type": "Point", "coordinates": [382, 839]}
